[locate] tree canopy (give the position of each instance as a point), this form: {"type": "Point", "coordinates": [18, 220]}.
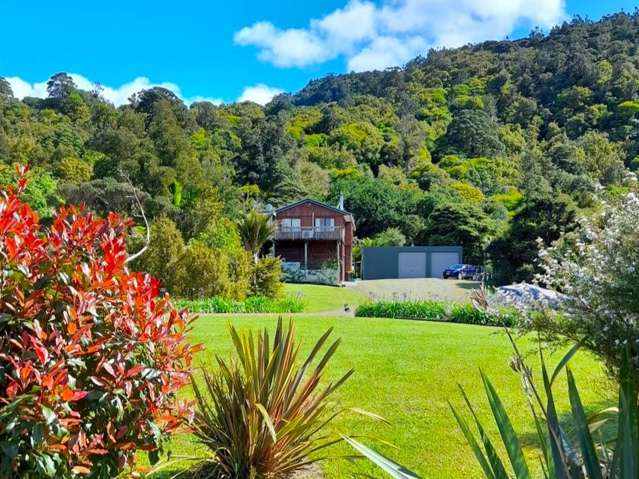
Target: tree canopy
{"type": "Point", "coordinates": [459, 146]}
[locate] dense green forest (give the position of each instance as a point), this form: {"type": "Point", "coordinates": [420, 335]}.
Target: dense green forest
{"type": "Point", "coordinates": [490, 146]}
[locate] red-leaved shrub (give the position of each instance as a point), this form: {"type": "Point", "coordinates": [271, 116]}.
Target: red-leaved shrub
{"type": "Point", "coordinates": [91, 358]}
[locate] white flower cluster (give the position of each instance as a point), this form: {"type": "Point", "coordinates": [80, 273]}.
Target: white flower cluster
{"type": "Point", "coordinates": [598, 271]}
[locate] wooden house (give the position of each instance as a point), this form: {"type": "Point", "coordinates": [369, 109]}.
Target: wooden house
{"type": "Point", "coordinates": [314, 241]}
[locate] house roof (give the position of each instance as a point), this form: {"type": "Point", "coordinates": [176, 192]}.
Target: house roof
{"type": "Point", "coordinates": [316, 203]}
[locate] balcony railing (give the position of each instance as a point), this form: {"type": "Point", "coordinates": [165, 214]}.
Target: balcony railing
{"type": "Point", "coordinates": [309, 233]}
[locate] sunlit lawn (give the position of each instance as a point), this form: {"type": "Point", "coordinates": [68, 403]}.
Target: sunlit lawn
{"type": "Point", "coordinates": [325, 298]}
{"type": "Point", "coordinates": [407, 371]}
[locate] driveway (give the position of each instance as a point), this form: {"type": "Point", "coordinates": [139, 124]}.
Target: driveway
{"type": "Point", "coordinates": [416, 288]}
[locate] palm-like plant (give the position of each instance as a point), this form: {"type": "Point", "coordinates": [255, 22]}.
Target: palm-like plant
{"type": "Point", "coordinates": [263, 414]}
{"type": "Point", "coordinates": [255, 229]}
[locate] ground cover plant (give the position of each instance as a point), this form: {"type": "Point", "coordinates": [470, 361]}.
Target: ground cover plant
{"type": "Point", "coordinates": [252, 304]}
{"type": "Point", "coordinates": [420, 364]}
{"type": "Point", "coordinates": [428, 310]}
{"type": "Point", "coordinates": [91, 357]}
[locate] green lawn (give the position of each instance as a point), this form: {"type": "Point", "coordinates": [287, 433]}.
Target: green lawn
{"type": "Point", "coordinates": [406, 371]}
{"type": "Point", "coordinates": [319, 298]}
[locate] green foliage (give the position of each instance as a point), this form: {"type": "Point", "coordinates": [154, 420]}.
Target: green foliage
{"type": "Point", "coordinates": [537, 117]}
{"type": "Point", "coordinates": [429, 310]}
{"type": "Point", "coordinates": [202, 272]}
{"type": "Point", "coordinates": [597, 268]}
{"type": "Point", "coordinates": [222, 234]}
{"type": "Point", "coordinates": [74, 170]}
{"type": "Point", "coordinates": [41, 192]}
{"type": "Point", "coordinates": [473, 133]}
{"type": "Point", "coordinates": [266, 278]}
{"type": "Point", "coordinates": [252, 304]}
{"type": "Point", "coordinates": [389, 237]}
{"type": "Point", "coordinates": [314, 179]}
{"type": "Point", "coordinates": [165, 248]}
{"type": "Point", "coordinates": [463, 224]}
{"type": "Point", "coordinates": [511, 199]}
{"type": "Point", "coordinates": [581, 457]}
{"type": "Point", "coordinates": [422, 310]}
{"type": "Point", "coordinates": [255, 229]}
{"type": "Point", "coordinates": [468, 192]}
{"type": "Point", "coordinates": [469, 314]}
{"type": "Point", "coordinates": [540, 219]}
{"type": "Point", "coordinates": [376, 204]}
{"type": "Point", "coordinates": [275, 406]}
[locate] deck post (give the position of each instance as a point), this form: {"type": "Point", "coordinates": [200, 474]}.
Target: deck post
{"type": "Point", "coordinates": [305, 259]}
{"type": "Point", "coordinates": [339, 264]}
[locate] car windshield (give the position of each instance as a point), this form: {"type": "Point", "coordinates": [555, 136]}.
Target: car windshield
{"type": "Point", "coordinates": [457, 266]}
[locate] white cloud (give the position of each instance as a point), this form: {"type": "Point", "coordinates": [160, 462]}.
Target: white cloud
{"type": "Point", "coordinates": [386, 51]}
{"type": "Point", "coordinates": [375, 37]}
{"type": "Point", "coordinates": [260, 94]}
{"type": "Point", "coordinates": [284, 48]}
{"type": "Point", "coordinates": [22, 88]}
{"type": "Point", "coordinates": [116, 95]}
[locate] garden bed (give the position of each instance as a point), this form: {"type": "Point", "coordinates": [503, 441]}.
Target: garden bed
{"type": "Point", "coordinates": [252, 304]}
{"type": "Point", "coordinates": [428, 310]}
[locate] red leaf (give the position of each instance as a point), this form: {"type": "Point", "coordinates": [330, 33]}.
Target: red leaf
{"type": "Point", "coordinates": [134, 371]}
{"type": "Point", "coordinates": [41, 352]}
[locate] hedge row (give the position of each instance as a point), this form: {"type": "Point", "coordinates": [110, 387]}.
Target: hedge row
{"type": "Point", "coordinates": [252, 304]}
{"type": "Point", "coordinates": [436, 311]}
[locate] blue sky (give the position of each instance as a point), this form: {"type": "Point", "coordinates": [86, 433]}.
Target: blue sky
{"type": "Point", "coordinates": [248, 49]}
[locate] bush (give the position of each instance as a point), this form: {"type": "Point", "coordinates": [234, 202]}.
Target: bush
{"type": "Point", "coordinates": [264, 414]}
{"type": "Point", "coordinates": [267, 277]}
{"type": "Point", "coordinates": [597, 268]}
{"type": "Point", "coordinates": [252, 304]}
{"type": "Point", "coordinates": [201, 269]}
{"type": "Point", "coordinates": [422, 310]}
{"type": "Point", "coordinates": [468, 314]}
{"type": "Point", "coordinates": [202, 272]}
{"type": "Point", "coordinates": [427, 310]}
{"type": "Point", "coordinates": [90, 358]}
{"type": "Point", "coordinates": [165, 248]}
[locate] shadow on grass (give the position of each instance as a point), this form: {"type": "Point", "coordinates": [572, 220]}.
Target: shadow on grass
{"type": "Point", "coordinates": [468, 284]}
{"type": "Point", "coordinates": [606, 433]}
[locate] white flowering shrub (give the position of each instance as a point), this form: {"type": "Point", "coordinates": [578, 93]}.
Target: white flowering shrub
{"type": "Point", "coordinates": [597, 269]}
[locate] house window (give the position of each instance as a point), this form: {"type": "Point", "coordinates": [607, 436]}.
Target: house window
{"type": "Point", "coordinates": [291, 224]}
{"type": "Point", "coordinates": [325, 224]}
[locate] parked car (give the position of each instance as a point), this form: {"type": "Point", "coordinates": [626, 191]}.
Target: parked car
{"type": "Point", "coordinates": [464, 271]}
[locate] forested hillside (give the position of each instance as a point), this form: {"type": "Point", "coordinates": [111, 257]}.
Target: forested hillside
{"type": "Point", "coordinates": [489, 146]}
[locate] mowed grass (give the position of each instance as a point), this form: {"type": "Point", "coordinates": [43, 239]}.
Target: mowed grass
{"type": "Point", "coordinates": [407, 371]}
{"type": "Point", "coordinates": [417, 288]}
{"type": "Point", "coordinates": [319, 297]}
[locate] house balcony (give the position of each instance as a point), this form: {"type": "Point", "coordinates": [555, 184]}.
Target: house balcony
{"type": "Point", "coordinates": [335, 233]}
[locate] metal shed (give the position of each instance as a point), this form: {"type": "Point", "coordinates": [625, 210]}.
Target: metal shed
{"type": "Point", "coordinates": [408, 261]}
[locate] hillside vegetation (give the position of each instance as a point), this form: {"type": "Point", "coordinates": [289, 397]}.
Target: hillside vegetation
{"type": "Point", "coordinates": [489, 146]}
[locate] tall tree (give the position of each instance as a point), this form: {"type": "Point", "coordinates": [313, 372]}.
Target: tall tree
{"type": "Point", "coordinates": [540, 221]}
{"type": "Point", "coordinates": [5, 89]}
{"type": "Point", "coordinates": [60, 86]}
{"type": "Point", "coordinates": [460, 224]}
